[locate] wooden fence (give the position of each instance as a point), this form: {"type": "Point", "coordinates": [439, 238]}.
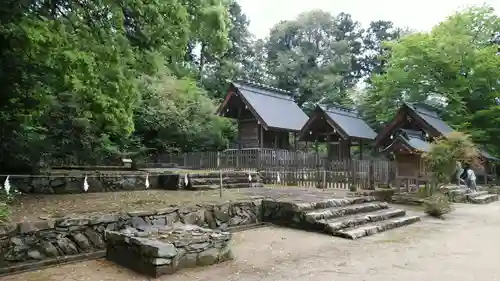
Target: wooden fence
{"type": "Point", "coordinates": [283, 167]}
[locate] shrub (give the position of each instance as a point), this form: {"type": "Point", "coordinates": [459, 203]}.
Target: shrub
{"type": "Point", "coordinates": [437, 205]}
{"type": "Point", "coordinates": [4, 212]}
{"type": "Point", "coordinates": [445, 153]}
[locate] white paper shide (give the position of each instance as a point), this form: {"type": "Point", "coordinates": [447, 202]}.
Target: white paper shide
{"type": "Point", "coordinates": [6, 185]}
{"type": "Point", "coordinates": [85, 184]}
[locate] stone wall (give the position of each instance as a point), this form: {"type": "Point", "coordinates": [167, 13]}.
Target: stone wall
{"type": "Point", "coordinates": [97, 182]}
{"type": "Point", "coordinates": [46, 242]}
{"type": "Point", "coordinates": [211, 181]}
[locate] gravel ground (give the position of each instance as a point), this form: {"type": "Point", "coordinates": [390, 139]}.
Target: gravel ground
{"type": "Point", "coordinates": [459, 248]}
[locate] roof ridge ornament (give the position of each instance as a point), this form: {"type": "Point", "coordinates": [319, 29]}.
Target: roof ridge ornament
{"type": "Point", "coordinates": [268, 87]}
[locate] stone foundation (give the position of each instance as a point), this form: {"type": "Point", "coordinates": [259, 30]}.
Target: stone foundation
{"type": "Point", "coordinates": [407, 199]}
{"type": "Point", "coordinates": [50, 240]}
{"type": "Point", "coordinates": [211, 181]}
{"type": "Point", "coordinates": [72, 182]}
{"type": "Point", "coordinates": [159, 250]}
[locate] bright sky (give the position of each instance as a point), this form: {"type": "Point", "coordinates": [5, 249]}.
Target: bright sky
{"type": "Point", "coordinates": [415, 14]}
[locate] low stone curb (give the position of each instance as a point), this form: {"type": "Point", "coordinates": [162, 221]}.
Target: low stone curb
{"type": "Point", "coordinates": [20, 268]}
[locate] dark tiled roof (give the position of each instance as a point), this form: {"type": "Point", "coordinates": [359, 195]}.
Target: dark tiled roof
{"type": "Point", "coordinates": [414, 139]}
{"type": "Point", "coordinates": [432, 118]}
{"type": "Point", "coordinates": [487, 155]}
{"type": "Point", "coordinates": [276, 107]}
{"type": "Point", "coordinates": [350, 122]}
{"type": "Point", "coordinates": [416, 143]}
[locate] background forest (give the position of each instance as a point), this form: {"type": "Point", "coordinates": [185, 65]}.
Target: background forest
{"type": "Point", "coordinates": [89, 81]}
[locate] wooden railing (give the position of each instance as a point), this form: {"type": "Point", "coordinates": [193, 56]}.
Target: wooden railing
{"type": "Point", "coordinates": [283, 167]}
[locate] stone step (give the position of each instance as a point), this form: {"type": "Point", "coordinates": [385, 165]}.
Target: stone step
{"type": "Point", "coordinates": [484, 199]}
{"type": "Point", "coordinates": [208, 181]}
{"type": "Point", "coordinates": [375, 227]}
{"type": "Point", "coordinates": [324, 214]}
{"type": "Point", "coordinates": [334, 202]}
{"type": "Point", "coordinates": [476, 194]}
{"type": "Point", "coordinates": [465, 192]}
{"type": "Point", "coordinates": [333, 225]}
{"type": "Point", "coordinates": [217, 175]}
{"type": "Point", "coordinates": [224, 185]}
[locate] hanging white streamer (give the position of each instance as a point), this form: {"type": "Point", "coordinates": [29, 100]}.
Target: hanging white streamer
{"type": "Point", "coordinates": [249, 177]}
{"type": "Point", "coordinates": [305, 177]}
{"type": "Point", "coordinates": [85, 184]}
{"type": "Point", "coordinates": [6, 185]}
{"type": "Point", "coordinates": [278, 180]}
{"type": "Point", "coordinates": [147, 181]}
{"type": "Point", "coordinates": [186, 181]}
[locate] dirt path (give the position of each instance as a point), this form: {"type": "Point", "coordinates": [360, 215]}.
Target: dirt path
{"type": "Point", "coordinates": [462, 248]}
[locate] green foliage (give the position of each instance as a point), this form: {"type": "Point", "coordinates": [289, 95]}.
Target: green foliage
{"type": "Point", "coordinates": [176, 115]}
{"type": "Point", "coordinates": [447, 151]}
{"type": "Point", "coordinates": [5, 212]}
{"type": "Point", "coordinates": [89, 82]}
{"type": "Point", "coordinates": [314, 55]}
{"type": "Point", "coordinates": [455, 66]}
{"type": "Point", "coordinates": [73, 88]}
{"type": "Point", "coordinates": [437, 205]}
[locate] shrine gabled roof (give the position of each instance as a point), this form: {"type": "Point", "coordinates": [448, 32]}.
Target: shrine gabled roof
{"type": "Point", "coordinates": [488, 156]}
{"type": "Point", "coordinates": [412, 140]}
{"type": "Point", "coordinates": [417, 143]}
{"type": "Point", "coordinates": [274, 107]}
{"type": "Point", "coordinates": [349, 122]}
{"type": "Point", "coordinates": [432, 118]}
{"type": "Point", "coordinates": [429, 119]}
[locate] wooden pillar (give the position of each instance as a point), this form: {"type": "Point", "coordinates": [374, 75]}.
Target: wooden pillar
{"type": "Point", "coordinates": [295, 141]}
{"type": "Point", "coordinates": [486, 172]}
{"type": "Point", "coordinates": [360, 149]}
{"type": "Point", "coordinates": [261, 136]}
{"type": "Point", "coordinates": [328, 147]}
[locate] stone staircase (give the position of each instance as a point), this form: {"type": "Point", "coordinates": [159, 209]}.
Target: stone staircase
{"type": "Point", "coordinates": [349, 218]}
{"type": "Point", "coordinates": [211, 180]}
{"type": "Point", "coordinates": [459, 194]}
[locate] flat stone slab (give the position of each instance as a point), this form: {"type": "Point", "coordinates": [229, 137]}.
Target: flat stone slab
{"type": "Point", "coordinates": [375, 227]}
{"type": "Point", "coordinates": [484, 199]}
{"type": "Point", "coordinates": [156, 251]}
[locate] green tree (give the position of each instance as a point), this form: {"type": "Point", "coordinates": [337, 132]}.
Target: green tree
{"type": "Point", "coordinates": [455, 65]}
{"type": "Point", "coordinates": [447, 151]}
{"type": "Point", "coordinates": [176, 115]}
{"type": "Point", "coordinates": [71, 69]}
{"type": "Point", "coordinates": [232, 62]}
{"type": "Point", "coordinates": [314, 57]}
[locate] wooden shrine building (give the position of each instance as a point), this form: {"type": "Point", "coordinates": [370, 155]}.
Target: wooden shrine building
{"type": "Point", "coordinates": [340, 128]}
{"type": "Point", "coordinates": [267, 116]}
{"type": "Point", "coordinates": [411, 133]}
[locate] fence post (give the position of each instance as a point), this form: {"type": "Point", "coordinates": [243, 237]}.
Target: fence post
{"type": "Point", "coordinates": [259, 152]}
{"type": "Point", "coordinates": [220, 188]}
{"type": "Point", "coordinates": [238, 158]}
{"type": "Point", "coordinates": [371, 176]}
{"type": "Point", "coordinates": [324, 179]}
